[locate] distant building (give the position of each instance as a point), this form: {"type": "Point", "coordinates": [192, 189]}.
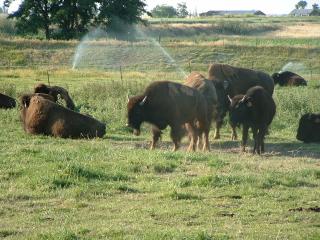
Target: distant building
{"type": "Point", "coordinates": [234, 12]}
{"type": "Point", "coordinates": [300, 12]}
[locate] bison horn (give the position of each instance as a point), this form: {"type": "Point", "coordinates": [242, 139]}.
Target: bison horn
{"type": "Point", "coordinates": [230, 99]}
{"type": "Point", "coordinates": [128, 98]}
{"type": "Point", "coordinates": [143, 101]}
{"type": "Point", "coordinates": [244, 98]}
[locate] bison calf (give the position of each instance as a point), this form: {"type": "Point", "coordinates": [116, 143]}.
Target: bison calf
{"type": "Point", "coordinates": [41, 115]}
{"type": "Point", "coordinates": [254, 110]}
{"type": "Point", "coordinates": [288, 79]}
{"type": "Point", "coordinates": [166, 103]}
{"type": "Point", "coordinates": [309, 128]}
{"type": "Point", "coordinates": [7, 102]}
{"type": "Point", "coordinates": [54, 91]}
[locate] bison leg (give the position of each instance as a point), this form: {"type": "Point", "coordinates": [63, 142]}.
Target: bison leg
{"type": "Point", "coordinates": [176, 135]}
{"type": "Point", "coordinates": [156, 134]}
{"type": "Point", "coordinates": [204, 127]}
{"type": "Point", "coordinates": [217, 130]}
{"type": "Point", "coordinates": [192, 135]}
{"type": "Point", "coordinates": [262, 133]}
{"type": "Point", "coordinates": [234, 135]}
{"type": "Point", "coordinates": [245, 130]}
{"type": "Point", "coordinates": [256, 141]}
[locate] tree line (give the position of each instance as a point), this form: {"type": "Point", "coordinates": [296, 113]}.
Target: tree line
{"type": "Point", "coordinates": [67, 19]}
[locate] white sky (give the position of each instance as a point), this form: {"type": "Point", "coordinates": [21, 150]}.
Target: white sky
{"type": "Point", "coordinates": [267, 6]}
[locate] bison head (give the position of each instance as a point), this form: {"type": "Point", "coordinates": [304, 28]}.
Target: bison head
{"type": "Point", "coordinates": [276, 78]}
{"type": "Point", "coordinates": [240, 106]}
{"type": "Point", "coordinates": [42, 88]}
{"type": "Point", "coordinates": [135, 109]}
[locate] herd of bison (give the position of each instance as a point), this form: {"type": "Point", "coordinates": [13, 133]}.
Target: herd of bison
{"type": "Point", "coordinates": [188, 108]}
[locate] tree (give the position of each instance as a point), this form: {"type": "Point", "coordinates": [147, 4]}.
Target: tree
{"type": "Point", "coordinates": [315, 10]}
{"type": "Point", "coordinates": [301, 5]}
{"type": "Point", "coordinates": [1, 11]}
{"type": "Point", "coordinates": [164, 11]}
{"type": "Point", "coordinates": [33, 15]}
{"type": "Point", "coordinates": [182, 10]}
{"type": "Point", "coordinates": [119, 14]}
{"type": "Point", "coordinates": [72, 18]}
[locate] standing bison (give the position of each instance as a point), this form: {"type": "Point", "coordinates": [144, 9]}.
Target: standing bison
{"type": "Point", "coordinates": [41, 115]}
{"type": "Point", "coordinates": [7, 102]}
{"type": "Point", "coordinates": [309, 128]}
{"type": "Point", "coordinates": [288, 79]}
{"type": "Point", "coordinates": [208, 90]}
{"type": "Point", "coordinates": [254, 110]}
{"type": "Point", "coordinates": [54, 91]}
{"type": "Point", "coordinates": [166, 103]}
{"type": "Point", "coordinates": [234, 81]}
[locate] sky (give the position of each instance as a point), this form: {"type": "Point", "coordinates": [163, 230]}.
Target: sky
{"type": "Point", "coordinates": [266, 6]}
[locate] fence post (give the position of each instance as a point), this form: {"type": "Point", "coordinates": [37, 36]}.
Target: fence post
{"type": "Point", "coordinates": [48, 76]}
{"type": "Point", "coordinates": [121, 73]}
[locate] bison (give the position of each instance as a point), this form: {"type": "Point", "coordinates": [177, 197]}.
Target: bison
{"type": "Point", "coordinates": [254, 110]}
{"type": "Point", "coordinates": [288, 79]}
{"type": "Point", "coordinates": [208, 90]}
{"type": "Point", "coordinates": [7, 102]}
{"type": "Point", "coordinates": [166, 103]}
{"type": "Point", "coordinates": [309, 128]}
{"type": "Point", "coordinates": [233, 81]}
{"type": "Point", "coordinates": [41, 115]}
{"type": "Point", "coordinates": [54, 91]}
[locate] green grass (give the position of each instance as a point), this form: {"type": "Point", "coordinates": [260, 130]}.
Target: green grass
{"type": "Point", "coordinates": [116, 188]}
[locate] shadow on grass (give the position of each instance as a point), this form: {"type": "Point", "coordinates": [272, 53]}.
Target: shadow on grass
{"type": "Point", "coordinates": [288, 149]}
{"type": "Point", "coordinates": [276, 148]}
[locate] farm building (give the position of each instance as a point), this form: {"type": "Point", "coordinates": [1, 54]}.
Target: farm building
{"type": "Point", "coordinates": [232, 12]}
{"type": "Point", "coordinates": [300, 12]}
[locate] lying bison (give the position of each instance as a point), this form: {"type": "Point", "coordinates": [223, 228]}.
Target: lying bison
{"type": "Point", "coordinates": [254, 110]}
{"type": "Point", "coordinates": [309, 128]}
{"type": "Point", "coordinates": [288, 79]}
{"type": "Point", "coordinates": [166, 103]}
{"type": "Point", "coordinates": [41, 115]}
{"type": "Point", "coordinates": [7, 102]}
{"type": "Point", "coordinates": [234, 81]}
{"type": "Point", "coordinates": [54, 91]}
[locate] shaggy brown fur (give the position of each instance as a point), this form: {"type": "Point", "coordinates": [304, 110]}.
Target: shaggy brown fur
{"type": "Point", "coordinates": [168, 103]}
{"type": "Point", "coordinates": [54, 91]}
{"type": "Point", "coordinates": [237, 81]}
{"type": "Point", "coordinates": [208, 90]}
{"type": "Point", "coordinates": [40, 115]}
{"type": "Point", "coordinates": [7, 102]}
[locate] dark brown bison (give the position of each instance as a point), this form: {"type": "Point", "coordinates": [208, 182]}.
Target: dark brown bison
{"type": "Point", "coordinates": [309, 128]}
{"type": "Point", "coordinates": [234, 81]}
{"type": "Point", "coordinates": [288, 79]}
{"type": "Point", "coordinates": [41, 115]}
{"type": "Point", "coordinates": [166, 103]}
{"type": "Point", "coordinates": [254, 110]}
{"type": "Point", "coordinates": [54, 91]}
{"type": "Point", "coordinates": [7, 102]}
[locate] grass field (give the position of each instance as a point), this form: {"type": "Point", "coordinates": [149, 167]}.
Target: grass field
{"type": "Point", "coordinates": [115, 188]}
